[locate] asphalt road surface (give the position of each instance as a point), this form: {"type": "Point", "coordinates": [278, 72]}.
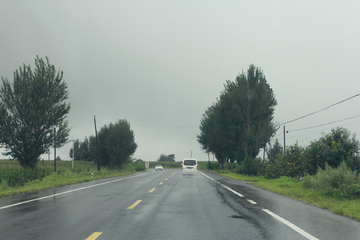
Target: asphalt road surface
{"type": "Point", "coordinates": [166, 205]}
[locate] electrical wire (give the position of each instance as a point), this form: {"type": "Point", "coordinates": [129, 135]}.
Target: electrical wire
{"type": "Point", "coordinates": [320, 109]}
{"type": "Point", "coordinates": [323, 124]}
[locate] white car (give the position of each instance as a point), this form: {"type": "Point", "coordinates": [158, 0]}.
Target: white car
{"type": "Point", "coordinates": [159, 167]}
{"type": "Point", "coordinates": [189, 166]}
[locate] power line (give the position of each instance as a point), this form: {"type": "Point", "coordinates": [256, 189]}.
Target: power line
{"type": "Point", "coordinates": [324, 124]}
{"type": "Point", "coordinates": [321, 109]}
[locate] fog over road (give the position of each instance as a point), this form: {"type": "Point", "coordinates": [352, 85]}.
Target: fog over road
{"type": "Point", "coordinates": [165, 205]}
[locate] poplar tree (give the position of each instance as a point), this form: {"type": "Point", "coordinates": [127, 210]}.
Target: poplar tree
{"type": "Point", "coordinates": [242, 120]}
{"type": "Point", "coordinates": [30, 108]}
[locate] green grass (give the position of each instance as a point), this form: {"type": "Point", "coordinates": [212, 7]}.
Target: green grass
{"type": "Point", "coordinates": [291, 187]}
{"type": "Point", "coordinates": [65, 175]}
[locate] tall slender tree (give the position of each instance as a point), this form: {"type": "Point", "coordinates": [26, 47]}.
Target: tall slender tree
{"type": "Point", "coordinates": [241, 121]}
{"type": "Point", "coordinates": [254, 106]}
{"type": "Point", "coordinates": [31, 107]}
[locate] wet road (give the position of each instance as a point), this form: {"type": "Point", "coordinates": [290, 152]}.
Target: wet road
{"type": "Point", "coordinates": [165, 205]}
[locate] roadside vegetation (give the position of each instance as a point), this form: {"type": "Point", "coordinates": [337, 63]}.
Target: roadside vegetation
{"type": "Point", "coordinates": [241, 122]}
{"type": "Point", "coordinates": [15, 179]}
{"type": "Point", "coordinates": [334, 189]}
{"type": "Point", "coordinates": [33, 110]}
{"type": "Point", "coordinates": [175, 165]}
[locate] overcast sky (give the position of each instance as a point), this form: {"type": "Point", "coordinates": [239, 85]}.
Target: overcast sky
{"type": "Point", "coordinates": [161, 64]}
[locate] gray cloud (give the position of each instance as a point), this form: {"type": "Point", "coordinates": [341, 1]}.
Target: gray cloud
{"type": "Point", "coordinates": [160, 64]}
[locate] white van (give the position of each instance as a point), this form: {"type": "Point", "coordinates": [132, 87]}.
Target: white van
{"type": "Point", "coordinates": [189, 166]}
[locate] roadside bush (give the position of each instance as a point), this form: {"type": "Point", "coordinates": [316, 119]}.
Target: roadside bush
{"type": "Point", "coordinates": [295, 160]}
{"type": "Point", "coordinates": [139, 166]}
{"type": "Point", "coordinates": [3, 185]}
{"type": "Point", "coordinates": [43, 172]}
{"type": "Point", "coordinates": [340, 182]}
{"type": "Point", "coordinates": [208, 165]}
{"type": "Point", "coordinates": [272, 170]}
{"type": "Point", "coordinates": [18, 177]}
{"type": "Point", "coordinates": [250, 166]}
{"type": "Point", "coordinates": [15, 175]}
{"type": "Point", "coordinates": [333, 148]}
{"type": "Point", "coordinates": [290, 164]}
{"type": "Point", "coordinates": [273, 151]}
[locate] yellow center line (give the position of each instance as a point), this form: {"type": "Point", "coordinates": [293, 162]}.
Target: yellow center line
{"type": "Point", "coordinates": [152, 190]}
{"type": "Point", "coordinates": [134, 204]}
{"type": "Point", "coordinates": [161, 183]}
{"type": "Point", "coordinates": [94, 236]}
{"type": "Point", "coordinates": [166, 179]}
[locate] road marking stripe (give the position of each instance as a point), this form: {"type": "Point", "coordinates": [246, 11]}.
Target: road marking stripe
{"type": "Point", "coordinates": [289, 224]}
{"type": "Point", "coordinates": [239, 194]}
{"type": "Point", "coordinates": [152, 190]}
{"type": "Point", "coordinates": [134, 204]}
{"type": "Point", "coordinates": [251, 201]}
{"type": "Point", "coordinates": [70, 191]}
{"type": "Point", "coordinates": [166, 179]}
{"type": "Point", "coordinates": [161, 183]}
{"type": "Point", "coordinates": [207, 176]}
{"type": "Point", "coordinates": [94, 236]}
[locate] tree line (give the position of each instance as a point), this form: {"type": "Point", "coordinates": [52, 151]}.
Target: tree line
{"type": "Point", "coordinates": [115, 145]}
{"type": "Point", "coordinates": [334, 148]}
{"type": "Point", "coordinates": [241, 122]}
{"type": "Point", "coordinates": [33, 110]}
{"type": "Point", "coordinates": [166, 158]}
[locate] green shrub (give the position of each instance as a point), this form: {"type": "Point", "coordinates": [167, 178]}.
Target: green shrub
{"type": "Point", "coordinates": [290, 164]}
{"type": "Point", "coordinates": [333, 148]}
{"type": "Point", "coordinates": [249, 166]}
{"type": "Point", "coordinates": [271, 171]}
{"type": "Point", "coordinates": [139, 166]}
{"type": "Point", "coordinates": [208, 165]}
{"type": "Point", "coordinates": [18, 177]}
{"type": "Point", "coordinates": [4, 185]}
{"type": "Point", "coordinates": [340, 182]}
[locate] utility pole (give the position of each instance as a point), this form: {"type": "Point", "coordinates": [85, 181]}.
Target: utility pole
{"type": "Point", "coordinates": [54, 149]}
{"type": "Point", "coordinates": [284, 139]}
{"type": "Point", "coordinates": [97, 146]}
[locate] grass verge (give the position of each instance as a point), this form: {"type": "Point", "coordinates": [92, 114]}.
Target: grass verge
{"type": "Point", "coordinates": [65, 175]}
{"type": "Point", "coordinates": [293, 188]}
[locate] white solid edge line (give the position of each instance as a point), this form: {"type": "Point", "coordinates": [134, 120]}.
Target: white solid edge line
{"type": "Point", "coordinates": [289, 224]}
{"type": "Point", "coordinates": [74, 190]}
{"type": "Point", "coordinates": [239, 194]}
